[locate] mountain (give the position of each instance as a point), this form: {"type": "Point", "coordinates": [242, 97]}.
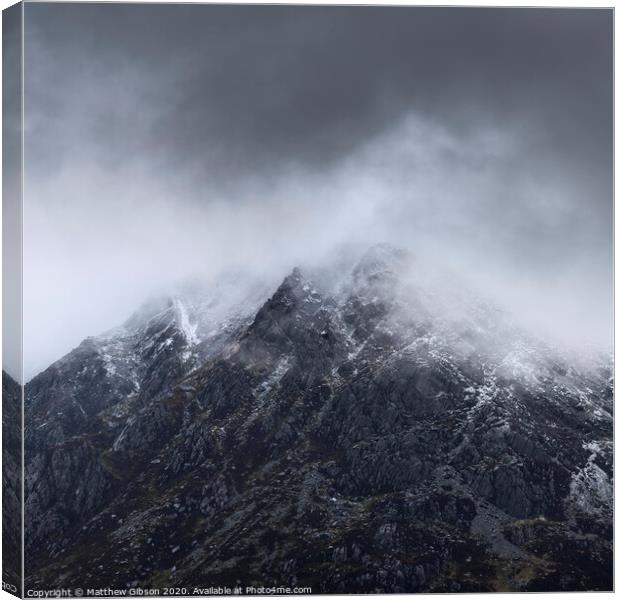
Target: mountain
{"type": "Point", "coordinates": [11, 483]}
{"type": "Point", "coordinates": [375, 433]}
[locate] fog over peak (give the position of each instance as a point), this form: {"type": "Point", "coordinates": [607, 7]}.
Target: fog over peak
{"type": "Point", "coordinates": [183, 142]}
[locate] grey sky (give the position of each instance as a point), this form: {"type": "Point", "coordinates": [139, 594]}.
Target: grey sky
{"type": "Point", "coordinates": [11, 193]}
{"type": "Point", "coordinates": [162, 140]}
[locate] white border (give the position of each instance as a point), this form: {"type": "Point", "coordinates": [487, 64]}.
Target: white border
{"type": "Point", "coordinates": [497, 3]}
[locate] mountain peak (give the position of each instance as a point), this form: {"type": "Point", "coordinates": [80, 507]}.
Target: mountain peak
{"type": "Point", "coordinates": [295, 289]}
{"type": "Point", "coordinates": [295, 277]}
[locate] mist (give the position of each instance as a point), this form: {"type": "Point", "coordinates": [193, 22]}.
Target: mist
{"type": "Point", "coordinates": [150, 165]}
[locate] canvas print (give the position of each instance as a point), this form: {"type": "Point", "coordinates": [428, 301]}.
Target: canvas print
{"type": "Point", "coordinates": [313, 299]}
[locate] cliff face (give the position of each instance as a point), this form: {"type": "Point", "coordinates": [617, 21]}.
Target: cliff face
{"type": "Point", "coordinates": [361, 440]}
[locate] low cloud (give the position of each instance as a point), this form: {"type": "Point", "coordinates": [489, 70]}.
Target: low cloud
{"type": "Point", "coordinates": [101, 240]}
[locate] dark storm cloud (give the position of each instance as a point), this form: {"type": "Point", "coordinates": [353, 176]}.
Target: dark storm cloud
{"type": "Point", "coordinates": [229, 88]}
{"type": "Point", "coordinates": [168, 140]}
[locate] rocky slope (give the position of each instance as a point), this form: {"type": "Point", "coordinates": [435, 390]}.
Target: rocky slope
{"type": "Point", "coordinates": [361, 437]}
{"type": "Point", "coordinates": [11, 483]}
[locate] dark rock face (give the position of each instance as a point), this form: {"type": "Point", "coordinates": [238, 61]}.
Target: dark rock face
{"type": "Point", "coordinates": [11, 483]}
{"type": "Point", "coordinates": [353, 442]}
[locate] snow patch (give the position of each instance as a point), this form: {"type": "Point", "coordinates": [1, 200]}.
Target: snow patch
{"type": "Point", "coordinates": [109, 365]}
{"type": "Point", "coordinates": [590, 488]}
{"type": "Point", "coordinates": [274, 379]}
{"type": "Point", "coordinates": [187, 327]}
